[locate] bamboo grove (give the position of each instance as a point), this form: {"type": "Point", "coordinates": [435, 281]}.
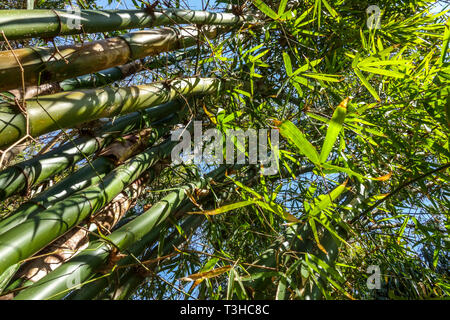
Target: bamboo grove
{"type": "Point", "coordinates": [92, 205]}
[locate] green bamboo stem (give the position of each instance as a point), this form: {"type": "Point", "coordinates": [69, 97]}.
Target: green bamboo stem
{"type": "Point", "coordinates": [26, 174]}
{"type": "Point", "coordinates": [22, 24]}
{"type": "Point", "coordinates": [93, 80]}
{"type": "Point", "coordinates": [131, 280]}
{"type": "Point", "coordinates": [43, 64]}
{"type": "Point", "coordinates": [92, 289]}
{"type": "Point", "coordinates": [90, 174]}
{"type": "Point", "coordinates": [59, 282]}
{"type": "Point", "coordinates": [29, 237]}
{"type": "Point", "coordinates": [68, 109]}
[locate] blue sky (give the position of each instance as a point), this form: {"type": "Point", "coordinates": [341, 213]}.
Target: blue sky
{"type": "Point", "coordinates": [122, 4]}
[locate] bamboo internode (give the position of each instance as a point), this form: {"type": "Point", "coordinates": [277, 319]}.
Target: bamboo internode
{"type": "Point", "coordinates": [43, 64]}
{"type": "Point", "coordinates": [68, 109]}
{"type": "Point", "coordinates": [21, 24]}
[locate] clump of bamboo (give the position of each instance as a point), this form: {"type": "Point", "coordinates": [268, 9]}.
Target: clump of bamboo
{"type": "Point", "coordinates": [24, 175]}
{"type": "Point", "coordinates": [68, 109]}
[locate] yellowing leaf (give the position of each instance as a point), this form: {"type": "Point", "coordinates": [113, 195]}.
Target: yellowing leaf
{"type": "Point", "coordinates": [223, 209]}
{"type": "Point", "coordinates": [383, 178]}
{"type": "Point", "coordinates": [208, 274]}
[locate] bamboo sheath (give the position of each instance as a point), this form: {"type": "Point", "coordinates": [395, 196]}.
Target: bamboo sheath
{"type": "Point", "coordinates": [93, 80]}
{"type": "Point", "coordinates": [88, 175]}
{"type": "Point", "coordinates": [58, 283]}
{"type": "Point", "coordinates": [43, 64]}
{"type": "Point", "coordinates": [29, 237]}
{"type": "Point", "coordinates": [29, 173]}
{"type": "Point", "coordinates": [68, 109]}
{"type": "Point", "coordinates": [22, 24]}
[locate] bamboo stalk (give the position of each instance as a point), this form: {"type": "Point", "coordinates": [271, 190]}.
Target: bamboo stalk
{"type": "Point", "coordinates": [26, 239]}
{"type": "Point", "coordinates": [68, 109]}
{"type": "Point", "coordinates": [93, 289]}
{"type": "Point", "coordinates": [22, 24]}
{"type": "Point", "coordinates": [44, 64]}
{"type": "Point", "coordinates": [77, 270]}
{"type": "Point", "coordinates": [24, 175]}
{"type": "Point", "coordinates": [132, 279]}
{"type": "Point", "coordinates": [90, 174]}
{"type": "Point", "coordinates": [94, 80]}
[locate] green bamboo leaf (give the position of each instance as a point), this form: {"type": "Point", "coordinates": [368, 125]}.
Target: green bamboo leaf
{"type": "Point", "coordinates": [277, 209]}
{"type": "Point", "coordinates": [327, 200]}
{"type": "Point", "coordinates": [287, 64]}
{"type": "Point", "coordinates": [330, 273]}
{"type": "Point", "coordinates": [367, 84]}
{"type": "Point", "coordinates": [265, 9]}
{"type": "Point", "coordinates": [446, 39]}
{"type": "Point", "coordinates": [316, 235]}
{"type": "Point", "coordinates": [370, 63]}
{"type": "Point", "coordinates": [402, 229]}
{"type": "Point", "coordinates": [348, 171]}
{"type": "Point", "coordinates": [282, 7]}
{"type": "Point", "coordinates": [307, 66]}
{"type": "Point", "coordinates": [334, 127]}
{"type": "Point", "coordinates": [324, 77]}
{"type": "Point", "coordinates": [331, 10]}
{"type": "Point", "coordinates": [293, 134]}
{"type": "Point", "coordinates": [6, 276]}
{"type": "Point", "coordinates": [383, 72]}
{"type": "Point", "coordinates": [224, 209]}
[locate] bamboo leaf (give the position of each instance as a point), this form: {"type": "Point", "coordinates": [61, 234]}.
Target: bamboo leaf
{"type": "Point", "coordinates": [265, 9]}
{"type": "Point", "coordinates": [327, 200]}
{"type": "Point", "coordinates": [277, 209]}
{"type": "Point", "coordinates": [282, 7]}
{"type": "Point", "coordinates": [334, 127]}
{"type": "Point", "coordinates": [207, 274]}
{"type": "Point", "coordinates": [383, 178]}
{"type": "Point", "coordinates": [367, 84]}
{"type": "Point", "coordinates": [316, 235]}
{"type": "Point", "coordinates": [7, 275]}
{"type": "Point", "coordinates": [324, 77]}
{"type": "Point", "coordinates": [287, 64]}
{"type": "Point", "coordinates": [224, 209]}
{"type": "Point", "coordinates": [293, 134]}
{"type": "Point", "coordinates": [383, 72]}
